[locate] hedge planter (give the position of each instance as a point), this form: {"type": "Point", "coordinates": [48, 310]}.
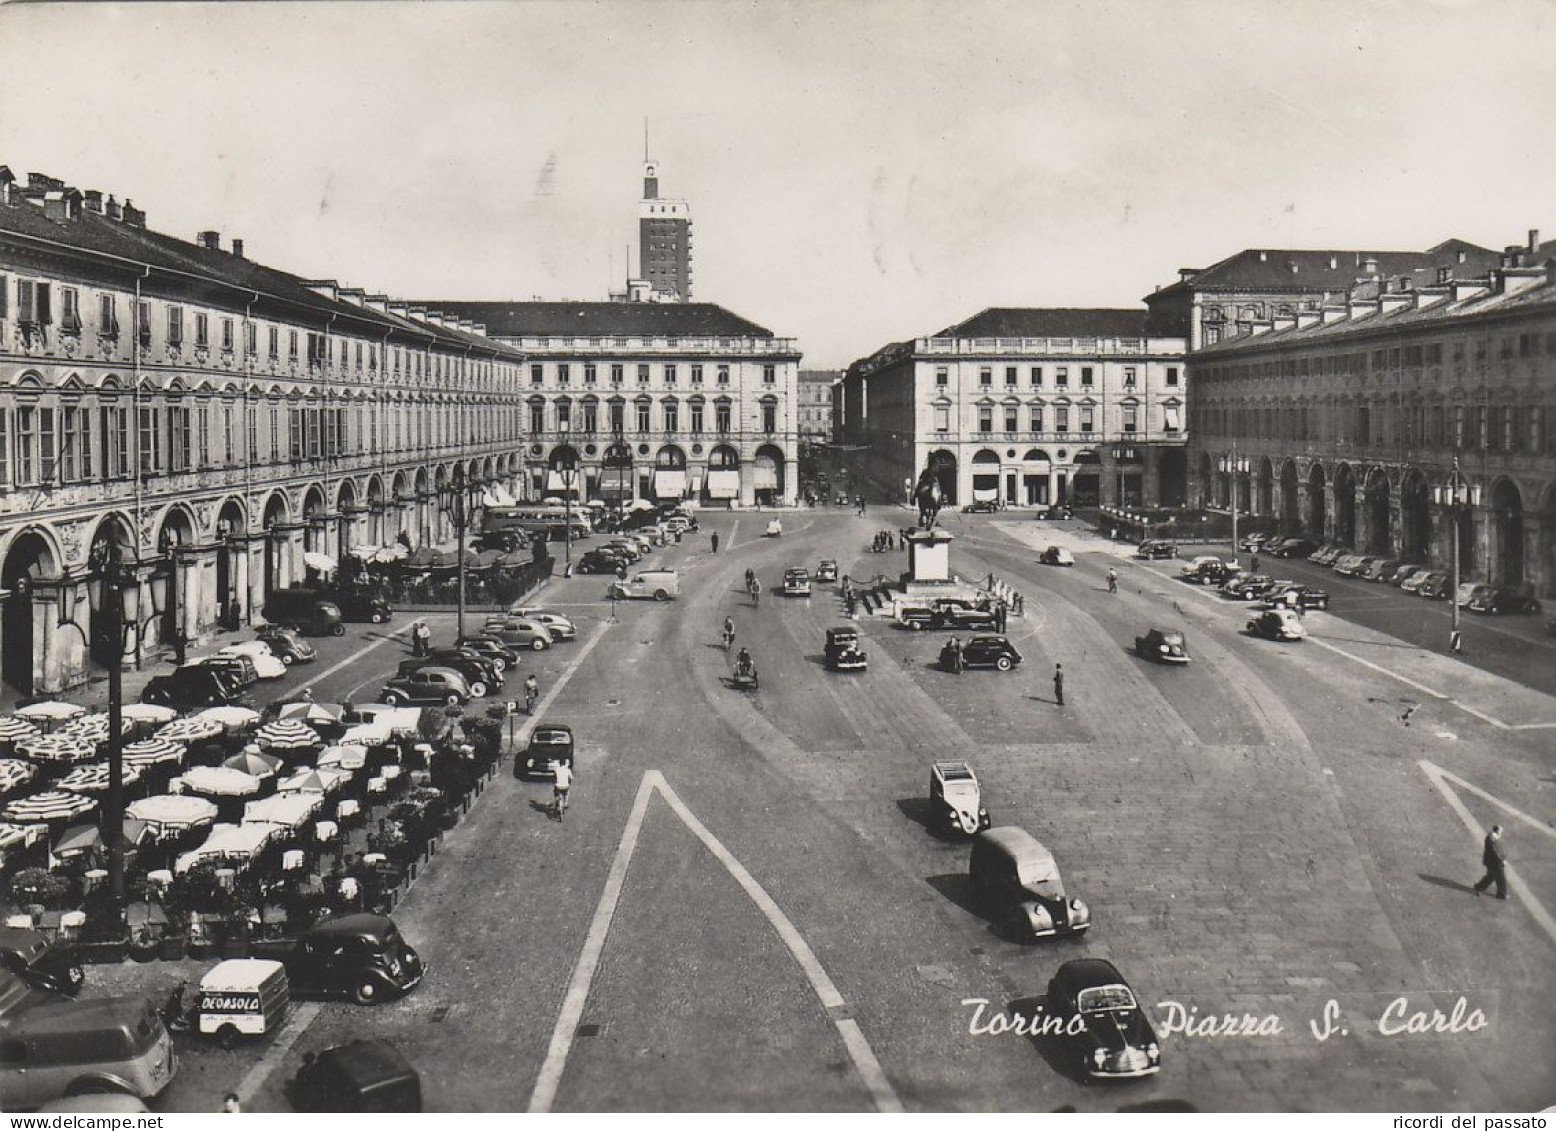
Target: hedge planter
{"type": "Point", "coordinates": [105, 952]}
{"type": "Point", "coordinates": [173, 948]}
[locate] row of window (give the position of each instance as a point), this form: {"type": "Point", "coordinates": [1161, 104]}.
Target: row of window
{"type": "Point", "coordinates": [1085, 416]}
{"type": "Point", "coordinates": [1493, 428]}
{"type": "Point", "coordinates": [587, 420]}
{"type": "Point", "coordinates": [1387, 359]}
{"type": "Point", "coordinates": [670, 373]}
{"type": "Point", "coordinates": [35, 316]}
{"type": "Point", "coordinates": [47, 445]}
{"type": "Point", "coordinates": [1061, 375]}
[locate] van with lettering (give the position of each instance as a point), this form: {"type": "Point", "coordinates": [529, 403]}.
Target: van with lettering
{"type": "Point", "coordinates": [77, 1048]}
{"type": "Point", "coordinates": [242, 997]}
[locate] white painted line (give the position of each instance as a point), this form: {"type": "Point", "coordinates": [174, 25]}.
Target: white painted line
{"type": "Point", "coordinates": [577, 995]}
{"type": "Point", "coordinates": [865, 1062]}
{"type": "Point", "coordinates": [354, 657]}
{"type": "Point", "coordinates": [562, 681]}
{"type": "Point", "coordinates": [1517, 889]}
{"type": "Point", "coordinates": [734, 528]}
{"type": "Point", "coordinates": [859, 1050]}
{"type": "Point", "coordinates": [294, 1028]}
{"type": "Point", "coordinates": [1434, 770]}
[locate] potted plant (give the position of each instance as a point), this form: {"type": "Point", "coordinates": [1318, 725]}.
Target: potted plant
{"type": "Point", "coordinates": [104, 937]}
{"type": "Point", "coordinates": [39, 887]}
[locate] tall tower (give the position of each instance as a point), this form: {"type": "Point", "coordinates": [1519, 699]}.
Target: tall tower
{"type": "Point", "coordinates": [664, 241]}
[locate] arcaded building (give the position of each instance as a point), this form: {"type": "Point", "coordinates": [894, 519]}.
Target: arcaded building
{"type": "Point", "coordinates": [1350, 413]}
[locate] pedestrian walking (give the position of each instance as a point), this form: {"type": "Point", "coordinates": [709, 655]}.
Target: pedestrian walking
{"type": "Point", "coordinates": [1253, 563]}
{"type": "Point", "coordinates": [1112, 581]}
{"type": "Point", "coordinates": [714, 540]}
{"type": "Point", "coordinates": [999, 618]}
{"type": "Point", "coordinates": [1494, 858]}
{"type": "Point", "coordinates": [1059, 684]}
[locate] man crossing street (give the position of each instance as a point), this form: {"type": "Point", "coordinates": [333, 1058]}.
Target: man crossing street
{"type": "Point", "coordinates": [1494, 858]}
{"type": "Point", "coordinates": [1059, 684]}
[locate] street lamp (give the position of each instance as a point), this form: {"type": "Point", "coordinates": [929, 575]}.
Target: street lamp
{"type": "Point", "coordinates": [457, 499]}
{"type": "Point", "coordinates": [1234, 465]}
{"type": "Point", "coordinates": [1457, 496]}
{"type": "Point", "coordinates": [109, 619]}
{"type": "Point", "coordinates": [567, 469]}
{"type": "Point", "coordinates": [618, 457]}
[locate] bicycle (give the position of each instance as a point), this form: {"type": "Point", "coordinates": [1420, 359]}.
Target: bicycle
{"type": "Point", "coordinates": [729, 640]}
{"type": "Point", "coordinates": [531, 696]}
{"type": "Point", "coordinates": [1112, 582]}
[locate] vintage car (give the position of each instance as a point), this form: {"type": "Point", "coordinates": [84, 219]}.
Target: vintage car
{"type": "Point", "coordinates": [954, 612]}
{"type": "Point", "coordinates": [796, 583]}
{"type": "Point", "coordinates": [425, 688]}
{"type": "Point", "coordinates": [1294, 595]}
{"type": "Point", "coordinates": [774, 529]}
{"type": "Point", "coordinates": [478, 672]}
{"type": "Point", "coordinates": [42, 964]}
{"type": "Point", "coordinates": [1277, 624]}
{"type": "Point", "coordinates": [1326, 554]}
{"type": "Point", "coordinates": [1415, 582]}
{"type": "Point", "coordinates": [1436, 588]}
{"type": "Point", "coordinates": [549, 743]}
{"type": "Point", "coordinates": [915, 618]}
{"type": "Point", "coordinates": [843, 653]}
{"type": "Point", "coordinates": [1354, 565]}
{"type": "Point", "coordinates": [1403, 574]}
{"type": "Point", "coordinates": [1253, 541]}
{"type": "Point", "coordinates": [1163, 645]}
{"type": "Point", "coordinates": [1244, 586]}
{"type": "Point", "coordinates": [494, 651]}
{"type": "Point", "coordinates": [359, 957]}
{"type": "Point", "coordinates": [360, 604]}
{"type": "Point", "coordinates": [239, 668]}
{"type": "Point", "coordinates": [982, 506]}
{"type": "Point", "coordinates": [983, 652]}
{"type": "Point", "coordinates": [1056, 556]}
{"type": "Point", "coordinates": [1119, 1042]}
{"type": "Point", "coordinates": [1379, 569]}
{"type": "Point", "coordinates": [649, 584]}
{"type": "Point", "coordinates": [1206, 570]}
{"type": "Point", "coordinates": [1017, 880]}
{"type": "Point", "coordinates": [600, 561]}
{"type": "Point", "coordinates": [267, 665]}
{"type": "Point", "coordinates": [956, 800]}
{"type": "Point", "coordinates": [287, 644]}
{"type": "Point", "coordinates": [517, 632]}
{"type": "Point", "coordinates": [1501, 599]}
{"type": "Point", "coordinates": [625, 548]}
{"type": "Point", "coordinates": [1155, 549]}
{"type": "Point", "coordinates": [560, 627]}
{"type": "Point", "coordinates": [368, 1076]}
{"type": "Point", "coordinates": [826, 571]}
{"type": "Point", "coordinates": [193, 685]}
{"type": "Point", "coordinates": [1294, 548]}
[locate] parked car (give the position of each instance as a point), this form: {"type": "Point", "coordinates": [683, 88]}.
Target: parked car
{"type": "Point", "coordinates": [503, 658]}
{"type": "Point", "coordinates": [1294, 548]}
{"type": "Point", "coordinates": [1277, 624]}
{"type": "Point", "coordinates": [363, 1076]}
{"type": "Point", "coordinates": [1162, 645]}
{"type": "Point", "coordinates": [560, 627]}
{"type": "Point", "coordinates": [1245, 586]}
{"type": "Point", "coordinates": [42, 964]}
{"type": "Point", "coordinates": [306, 611]}
{"type": "Point", "coordinates": [191, 686]}
{"type": "Point", "coordinates": [1253, 541]}
{"type": "Point", "coordinates": [600, 561]}
{"type": "Point", "coordinates": [1117, 1038]}
{"type": "Point", "coordinates": [360, 957]}
{"type": "Point", "coordinates": [1436, 587]}
{"type": "Point", "coordinates": [1017, 879]}
{"type": "Point", "coordinates": [842, 652]}
{"type": "Point", "coordinates": [1206, 571]}
{"type": "Point", "coordinates": [287, 644]}
{"type": "Point", "coordinates": [1468, 591]}
{"type": "Point", "coordinates": [243, 671]}
{"type": "Point", "coordinates": [1352, 565]}
{"type": "Point", "coordinates": [425, 688]}
{"type": "Point", "coordinates": [1056, 556]}
{"type": "Point", "coordinates": [826, 571]}
{"type": "Point", "coordinates": [116, 1044]}
{"type": "Point", "coordinates": [1415, 582]}
{"type": "Point", "coordinates": [956, 799]}
{"type": "Point", "coordinates": [915, 618]}
{"type": "Point", "coordinates": [267, 665]}
{"type": "Point", "coordinates": [516, 632]}
{"type": "Point", "coordinates": [955, 612]}
{"type": "Point", "coordinates": [1327, 555]}
{"type": "Point", "coordinates": [1379, 569]}
{"type": "Point", "coordinates": [1502, 599]}
{"type": "Point", "coordinates": [629, 550]}
{"type": "Point", "coordinates": [796, 583]}
{"type": "Point", "coordinates": [1403, 574]}
{"type": "Point", "coordinates": [982, 506]}
{"type": "Point", "coordinates": [655, 584]}
{"type": "Point", "coordinates": [478, 673]}
{"type": "Point", "coordinates": [1155, 549]}
{"type": "Point", "coordinates": [358, 604]}
{"type": "Point", "coordinates": [549, 743]}
{"type": "Point", "coordinates": [987, 652]}
{"type": "Point", "coordinates": [1307, 597]}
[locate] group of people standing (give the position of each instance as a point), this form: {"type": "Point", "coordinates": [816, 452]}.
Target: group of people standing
{"type": "Point", "coordinates": [889, 540]}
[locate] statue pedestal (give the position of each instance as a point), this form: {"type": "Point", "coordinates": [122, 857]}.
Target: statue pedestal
{"type": "Point", "coordinates": [929, 569]}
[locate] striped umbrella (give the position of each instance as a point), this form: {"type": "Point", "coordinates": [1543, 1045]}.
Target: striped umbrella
{"type": "Point", "coordinates": [19, 836]}
{"type": "Point", "coordinates": [153, 751]}
{"type": "Point", "coordinates": [14, 773]}
{"type": "Point", "coordinates": [324, 780]}
{"type": "Point", "coordinates": [316, 714]}
{"type": "Point", "coordinates": [50, 805]}
{"type": "Point", "coordinates": [287, 734]}
{"type": "Point", "coordinates": [255, 763]}
{"type": "Point", "coordinates": [13, 730]}
{"type": "Point", "coordinates": [94, 728]}
{"type": "Point", "coordinates": [346, 757]}
{"type": "Point", "coordinates": [50, 711]}
{"type": "Point", "coordinates": [172, 812]}
{"type": "Point", "coordinates": [63, 748]}
{"type": "Point", "coordinates": [190, 730]}
{"type": "Point", "coordinates": [230, 716]}
{"type": "Point", "coordinates": [94, 778]}
{"type": "Point", "coordinates": [367, 734]}
{"type": "Point", "coordinates": [151, 714]}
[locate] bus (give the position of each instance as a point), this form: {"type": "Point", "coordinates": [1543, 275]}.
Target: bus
{"type": "Point", "coordinates": [549, 522]}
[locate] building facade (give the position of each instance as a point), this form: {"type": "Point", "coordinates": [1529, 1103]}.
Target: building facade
{"type": "Point", "coordinates": [1348, 416]}
{"type": "Point", "coordinates": [1208, 305]}
{"type": "Point", "coordinates": [212, 418]}
{"type": "Point", "coordinates": [655, 401]}
{"type": "Point", "coordinates": [1029, 407]}
{"type": "Point", "coordinates": [664, 241]}
{"type": "Point", "coordinates": [814, 405]}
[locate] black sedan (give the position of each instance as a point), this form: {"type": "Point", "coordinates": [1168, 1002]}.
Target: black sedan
{"type": "Point", "coordinates": [600, 561]}
{"type": "Point", "coordinates": [983, 506]}
{"type": "Point", "coordinates": [1117, 1038]}
{"type": "Point", "coordinates": [1307, 597]}
{"type": "Point", "coordinates": [191, 686]}
{"type": "Point", "coordinates": [361, 605]}
{"type": "Point", "coordinates": [1155, 549]}
{"type": "Point", "coordinates": [985, 652]}
{"type": "Point", "coordinates": [1162, 645]}
{"type": "Point", "coordinates": [1502, 599]}
{"type": "Point", "coordinates": [502, 657]}
{"type": "Point", "coordinates": [477, 670]}
{"type": "Point", "coordinates": [42, 964]}
{"type": "Point", "coordinates": [952, 612]}
{"type": "Point", "coordinates": [1293, 548]}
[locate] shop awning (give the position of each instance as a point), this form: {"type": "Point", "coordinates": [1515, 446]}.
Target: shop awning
{"type": "Point", "coordinates": [723, 484]}
{"type": "Point", "coordinates": [669, 484]}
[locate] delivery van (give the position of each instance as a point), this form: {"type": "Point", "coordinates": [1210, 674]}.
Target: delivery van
{"type": "Point", "coordinates": [243, 997]}
{"type": "Point", "coordinates": [76, 1047]}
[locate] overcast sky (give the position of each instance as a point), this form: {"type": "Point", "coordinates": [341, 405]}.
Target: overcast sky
{"type": "Point", "coordinates": [858, 172]}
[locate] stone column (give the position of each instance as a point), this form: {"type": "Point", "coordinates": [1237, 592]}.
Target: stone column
{"type": "Point", "coordinates": [1107, 471]}
{"type": "Point", "coordinates": [1151, 478]}
{"type": "Point", "coordinates": [1305, 510]}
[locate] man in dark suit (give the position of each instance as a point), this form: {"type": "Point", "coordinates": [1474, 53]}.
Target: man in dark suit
{"type": "Point", "coordinates": [1495, 860]}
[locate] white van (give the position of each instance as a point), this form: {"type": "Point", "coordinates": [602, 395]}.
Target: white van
{"type": "Point", "coordinates": [656, 584]}
{"type": "Point", "coordinates": [243, 997]}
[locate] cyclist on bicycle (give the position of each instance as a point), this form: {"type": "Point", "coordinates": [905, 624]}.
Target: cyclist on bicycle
{"type": "Point", "coordinates": [531, 694]}
{"type": "Point", "coordinates": [745, 666]}
{"type": "Point", "coordinates": [750, 579]}
{"type": "Point", "coordinates": [756, 591]}
{"type": "Point", "coordinates": [1112, 581]}
{"type": "Point", "coordinates": [564, 782]}
{"type": "Point", "coordinates": [729, 632]}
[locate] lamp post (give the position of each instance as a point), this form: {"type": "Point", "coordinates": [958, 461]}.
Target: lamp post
{"type": "Point", "coordinates": [567, 468]}
{"type": "Point", "coordinates": [619, 457]}
{"type": "Point", "coordinates": [1457, 496]}
{"type": "Point", "coordinates": [106, 559]}
{"type": "Point", "coordinates": [1119, 455]}
{"type": "Point", "coordinates": [1234, 465]}
{"type": "Point", "coordinates": [457, 499]}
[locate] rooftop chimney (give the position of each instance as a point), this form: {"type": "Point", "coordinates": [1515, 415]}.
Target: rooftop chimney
{"type": "Point", "coordinates": [133, 216]}
{"type": "Point", "coordinates": [237, 249]}
{"type": "Point", "coordinates": [111, 208]}
{"type": "Point", "coordinates": [1264, 257]}
{"type": "Point", "coordinates": [211, 241]}
{"type": "Point", "coordinates": [1370, 265]}
{"type": "Point", "coordinates": [92, 201]}
{"type": "Point", "coordinates": [1187, 273]}
{"type": "Point", "coordinates": [1334, 262]}
{"type": "Point", "coordinates": [62, 204]}
{"type": "Point", "coordinates": [1534, 240]}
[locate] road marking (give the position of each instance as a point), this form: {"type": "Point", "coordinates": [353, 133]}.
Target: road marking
{"type": "Point", "coordinates": [294, 1028]}
{"type": "Point", "coordinates": [561, 681]}
{"type": "Point", "coordinates": [354, 657]}
{"type": "Point", "coordinates": [734, 528]}
{"type": "Point", "coordinates": [1440, 777]}
{"type": "Point", "coordinates": [859, 1050]}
